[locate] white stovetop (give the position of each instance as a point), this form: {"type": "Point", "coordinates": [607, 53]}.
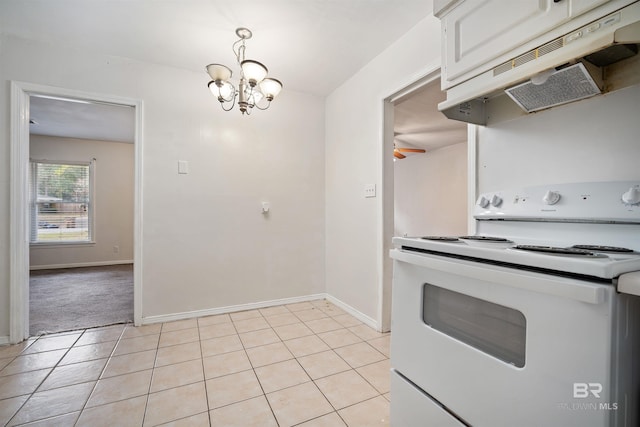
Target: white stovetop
{"type": "Point", "coordinates": [602, 265]}
{"type": "Point", "coordinates": [592, 213]}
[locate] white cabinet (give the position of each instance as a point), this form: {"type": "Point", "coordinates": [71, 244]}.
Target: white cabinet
{"type": "Point", "coordinates": [476, 34]}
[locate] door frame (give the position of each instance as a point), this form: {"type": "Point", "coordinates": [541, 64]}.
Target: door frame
{"type": "Point", "coordinates": [387, 199]}
{"type": "Point", "coordinates": [19, 199]}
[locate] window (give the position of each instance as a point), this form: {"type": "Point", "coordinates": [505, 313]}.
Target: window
{"type": "Point", "coordinates": [61, 202]}
{"type": "Point", "coordinates": [494, 329]}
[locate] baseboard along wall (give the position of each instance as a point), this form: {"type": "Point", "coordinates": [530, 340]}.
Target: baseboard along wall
{"type": "Point", "coordinates": [80, 264]}
{"type": "Point", "coordinates": [262, 304]}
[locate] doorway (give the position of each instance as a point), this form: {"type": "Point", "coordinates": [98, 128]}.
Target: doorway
{"type": "Point", "coordinates": [21, 94]}
{"type": "Point", "coordinates": [81, 214]}
{"type": "Point", "coordinates": [430, 174]}
{"type": "Point", "coordinates": [412, 121]}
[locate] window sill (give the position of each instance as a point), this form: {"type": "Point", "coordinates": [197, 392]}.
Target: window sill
{"type": "Point", "coordinates": [61, 244]}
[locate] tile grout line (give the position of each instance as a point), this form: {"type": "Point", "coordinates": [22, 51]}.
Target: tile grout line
{"type": "Point", "coordinates": [351, 369]}
{"type": "Point", "coordinates": [253, 369]}
{"type": "Point", "coordinates": [204, 374]}
{"type": "Point", "coordinates": [244, 348]}
{"type": "Point", "coordinates": [46, 376]}
{"type": "Point", "coordinates": [153, 369]}
{"type": "Point", "coordinates": [104, 368]}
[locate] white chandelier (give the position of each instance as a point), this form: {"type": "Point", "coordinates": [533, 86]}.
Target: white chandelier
{"type": "Point", "coordinates": [254, 85]}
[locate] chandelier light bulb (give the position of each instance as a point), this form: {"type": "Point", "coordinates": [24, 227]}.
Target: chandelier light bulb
{"type": "Point", "coordinates": [270, 88]}
{"type": "Point", "coordinates": [253, 71]}
{"type": "Point", "coordinates": [257, 96]}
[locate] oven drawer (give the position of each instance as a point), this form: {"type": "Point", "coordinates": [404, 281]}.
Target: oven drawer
{"type": "Point", "coordinates": [412, 407]}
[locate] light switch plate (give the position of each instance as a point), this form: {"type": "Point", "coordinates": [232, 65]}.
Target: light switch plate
{"type": "Point", "coordinates": [369, 190]}
{"type": "Point", "coordinates": [183, 167]}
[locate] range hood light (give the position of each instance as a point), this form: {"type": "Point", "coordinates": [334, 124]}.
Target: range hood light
{"type": "Point", "coordinates": [542, 77]}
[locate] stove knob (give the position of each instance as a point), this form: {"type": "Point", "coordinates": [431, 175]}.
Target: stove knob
{"type": "Point", "coordinates": [551, 198]}
{"type": "Point", "coordinates": [483, 202]}
{"type": "Point", "coordinates": [632, 196]}
{"type": "Point", "coordinates": [496, 200]}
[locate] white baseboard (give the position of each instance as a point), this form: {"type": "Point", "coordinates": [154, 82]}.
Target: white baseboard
{"type": "Point", "coordinates": [4, 340]}
{"type": "Point", "coordinates": [355, 313]}
{"type": "Point", "coordinates": [228, 309]}
{"type": "Point", "coordinates": [80, 264]}
{"type": "Point", "coordinates": [263, 304]}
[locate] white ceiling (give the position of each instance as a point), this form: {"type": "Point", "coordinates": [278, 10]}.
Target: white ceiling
{"type": "Point", "coordinates": [312, 46]}
{"type": "Point", "coordinates": [81, 119]}
{"type": "Point", "coordinates": [418, 123]}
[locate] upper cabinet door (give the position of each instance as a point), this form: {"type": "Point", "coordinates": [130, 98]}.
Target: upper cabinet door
{"type": "Point", "coordinates": [475, 32]}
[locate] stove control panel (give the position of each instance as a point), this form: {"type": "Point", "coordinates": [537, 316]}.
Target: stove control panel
{"type": "Point", "coordinates": [609, 202]}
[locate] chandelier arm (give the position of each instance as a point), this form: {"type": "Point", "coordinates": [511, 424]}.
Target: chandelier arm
{"type": "Point", "coordinates": [260, 108]}
{"type": "Point", "coordinates": [232, 105]}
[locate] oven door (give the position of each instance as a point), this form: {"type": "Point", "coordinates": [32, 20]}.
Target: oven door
{"type": "Point", "coordinates": [502, 347]}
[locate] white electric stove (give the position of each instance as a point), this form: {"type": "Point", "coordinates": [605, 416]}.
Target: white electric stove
{"type": "Point", "coordinates": [535, 320]}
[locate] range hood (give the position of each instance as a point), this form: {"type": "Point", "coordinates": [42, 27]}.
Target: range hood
{"type": "Point", "coordinates": [599, 57]}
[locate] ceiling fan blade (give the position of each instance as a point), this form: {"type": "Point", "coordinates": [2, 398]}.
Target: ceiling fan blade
{"type": "Point", "coordinates": [411, 150]}
{"type": "Point", "coordinates": [398, 155]}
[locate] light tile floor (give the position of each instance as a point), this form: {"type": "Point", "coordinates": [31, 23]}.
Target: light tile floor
{"type": "Point", "coordinates": [307, 364]}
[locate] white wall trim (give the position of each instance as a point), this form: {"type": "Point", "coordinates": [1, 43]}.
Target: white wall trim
{"type": "Point", "coordinates": [229, 309]}
{"type": "Point", "coordinates": [18, 224]}
{"type": "Point", "coordinates": [137, 215]}
{"type": "Point", "coordinates": [262, 304]}
{"type": "Point", "coordinates": [19, 234]}
{"type": "Point", "coordinates": [355, 313]}
{"type": "Point", "coordinates": [80, 264]}
{"type": "Point", "coordinates": [4, 340]}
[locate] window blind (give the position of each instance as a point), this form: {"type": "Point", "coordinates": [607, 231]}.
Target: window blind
{"type": "Point", "coordinates": [61, 202]}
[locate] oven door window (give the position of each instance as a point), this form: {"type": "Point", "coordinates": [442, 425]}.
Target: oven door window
{"type": "Point", "coordinates": [494, 329]}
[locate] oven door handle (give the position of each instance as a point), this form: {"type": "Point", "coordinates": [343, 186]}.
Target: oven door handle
{"type": "Point", "coordinates": [575, 289]}
{"type": "Point", "coordinates": [629, 283]}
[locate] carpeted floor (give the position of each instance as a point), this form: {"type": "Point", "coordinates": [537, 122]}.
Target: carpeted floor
{"type": "Point", "coordinates": [78, 298]}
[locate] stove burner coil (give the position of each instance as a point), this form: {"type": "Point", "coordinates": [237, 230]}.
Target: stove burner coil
{"type": "Point", "coordinates": [598, 248]}
{"type": "Point", "coordinates": [555, 250]}
{"type": "Point", "coordinates": [486, 239]}
{"type": "Point", "coordinates": [441, 238]}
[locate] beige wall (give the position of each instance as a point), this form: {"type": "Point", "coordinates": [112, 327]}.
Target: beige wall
{"type": "Point", "coordinates": [595, 139]}
{"type": "Point", "coordinates": [205, 243]}
{"type": "Point", "coordinates": [430, 193]}
{"type": "Point", "coordinates": [113, 201]}
{"type": "Point", "coordinates": [354, 140]}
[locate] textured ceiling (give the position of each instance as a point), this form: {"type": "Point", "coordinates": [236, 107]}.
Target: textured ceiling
{"type": "Point", "coordinates": [81, 119]}
{"type": "Point", "coordinates": [418, 123]}
{"type": "Point", "coordinates": [312, 46]}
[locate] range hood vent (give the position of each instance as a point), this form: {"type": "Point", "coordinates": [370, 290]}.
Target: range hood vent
{"type": "Point", "coordinates": [597, 57]}
{"type": "Point", "coordinates": [555, 88]}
